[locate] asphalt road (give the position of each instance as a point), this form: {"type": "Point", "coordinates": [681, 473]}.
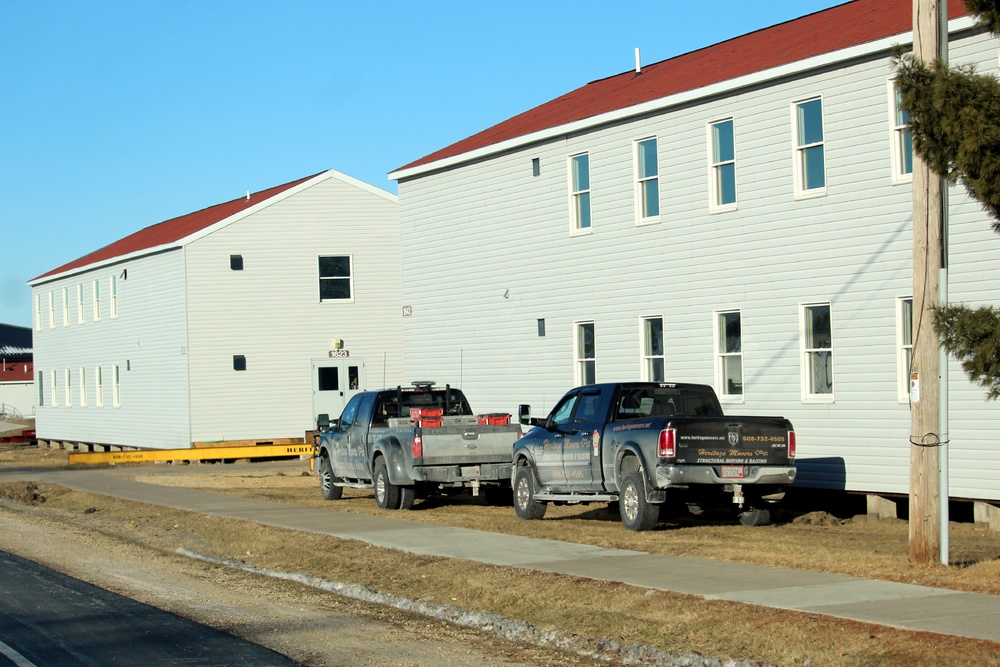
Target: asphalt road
{"type": "Point", "coordinates": [47, 618]}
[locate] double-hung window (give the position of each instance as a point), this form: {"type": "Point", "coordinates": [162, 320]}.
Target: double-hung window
{"type": "Point", "coordinates": [52, 310]}
{"type": "Point", "coordinates": [83, 387]}
{"type": "Point", "coordinates": [65, 306]}
{"type": "Point", "coordinates": [810, 160]}
{"type": "Point", "coordinates": [38, 312]}
{"type": "Point", "coordinates": [652, 350]}
{"type": "Point", "coordinates": [729, 353]}
{"type": "Point", "coordinates": [335, 278]}
{"type": "Point", "coordinates": [647, 186]}
{"type": "Point", "coordinates": [68, 387]}
{"type": "Point", "coordinates": [114, 297]}
{"type": "Point", "coordinates": [97, 300]}
{"type": "Point", "coordinates": [902, 140]}
{"type": "Point", "coordinates": [40, 382]}
{"type": "Point", "coordinates": [817, 352]}
{"type": "Point", "coordinates": [116, 386]}
{"type": "Point", "coordinates": [723, 161]}
{"type": "Point", "coordinates": [585, 353]}
{"type": "Point", "coordinates": [79, 303]}
{"type": "Point", "coordinates": [55, 387]}
{"type": "Point", "coordinates": [98, 386]}
{"type": "Point", "coordinates": [904, 345]}
{"type": "Point", "coordinates": [579, 192]}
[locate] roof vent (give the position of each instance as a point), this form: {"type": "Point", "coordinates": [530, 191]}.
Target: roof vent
{"type": "Point", "coordinates": [638, 67]}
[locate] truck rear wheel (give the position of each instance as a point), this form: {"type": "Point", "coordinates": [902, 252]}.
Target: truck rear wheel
{"type": "Point", "coordinates": [327, 486]}
{"type": "Point", "coordinates": [407, 494]}
{"type": "Point", "coordinates": [636, 513]}
{"type": "Point", "coordinates": [386, 493]}
{"type": "Point", "coordinates": [525, 504]}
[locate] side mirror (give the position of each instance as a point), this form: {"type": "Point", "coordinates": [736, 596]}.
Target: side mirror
{"type": "Point", "coordinates": [524, 414]}
{"type": "Point", "coordinates": [323, 421]}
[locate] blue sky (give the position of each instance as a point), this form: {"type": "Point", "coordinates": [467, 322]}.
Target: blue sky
{"type": "Point", "coordinates": [117, 115]}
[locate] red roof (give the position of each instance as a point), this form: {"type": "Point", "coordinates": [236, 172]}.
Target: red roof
{"type": "Point", "coordinates": [833, 29]}
{"type": "Point", "coordinates": [171, 231]}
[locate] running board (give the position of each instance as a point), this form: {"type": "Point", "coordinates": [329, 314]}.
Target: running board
{"type": "Point", "coordinates": [577, 497]}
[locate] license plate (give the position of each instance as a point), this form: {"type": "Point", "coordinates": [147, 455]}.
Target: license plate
{"type": "Point", "coordinates": [472, 471]}
{"type": "Point", "coordinates": [730, 472]}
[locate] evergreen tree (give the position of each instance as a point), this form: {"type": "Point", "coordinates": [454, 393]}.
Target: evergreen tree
{"type": "Point", "coordinates": [955, 125]}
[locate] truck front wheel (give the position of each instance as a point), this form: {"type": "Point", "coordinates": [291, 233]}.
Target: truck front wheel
{"type": "Point", "coordinates": [327, 481]}
{"type": "Point", "coordinates": [525, 504]}
{"type": "Point", "coordinates": [386, 493]}
{"type": "Point", "coordinates": [636, 513]}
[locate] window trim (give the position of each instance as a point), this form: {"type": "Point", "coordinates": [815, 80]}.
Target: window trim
{"type": "Point", "coordinates": [68, 387]}
{"type": "Point", "coordinates": [804, 357]}
{"type": "Point", "coordinates": [79, 303]}
{"type": "Point", "coordinates": [98, 386]}
{"type": "Point", "coordinates": [97, 299]}
{"type": "Point", "coordinates": [720, 357]}
{"type": "Point", "coordinates": [38, 312]}
{"type": "Point", "coordinates": [40, 386]}
{"type": "Point", "coordinates": [83, 386]}
{"type": "Point", "coordinates": [640, 181]}
{"type": "Point", "coordinates": [798, 151]}
{"type": "Point", "coordinates": [904, 351]}
{"type": "Point", "coordinates": [645, 357]}
{"type": "Point", "coordinates": [65, 306]}
{"type": "Point", "coordinates": [896, 131]}
{"type": "Point", "coordinates": [714, 168]}
{"type": "Point", "coordinates": [52, 310]}
{"type": "Point", "coordinates": [113, 289]}
{"type": "Point", "coordinates": [350, 278]}
{"type": "Point", "coordinates": [55, 388]}
{"type": "Point", "coordinates": [579, 361]}
{"type": "Point", "coordinates": [116, 393]}
{"type": "Point", "coordinates": [574, 219]}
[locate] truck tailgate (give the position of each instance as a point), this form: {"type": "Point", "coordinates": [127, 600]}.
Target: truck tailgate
{"type": "Point", "coordinates": [451, 445]}
{"type": "Point", "coordinates": [732, 440]}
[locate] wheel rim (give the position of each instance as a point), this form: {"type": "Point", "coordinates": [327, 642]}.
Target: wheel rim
{"type": "Point", "coordinates": [326, 480]}
{"type": "Point", "coordinates": [380, 488]}
{"type": "Point", "coordinates": [523, 492]}
{"type": "Point", "coordinates": [630, 502]}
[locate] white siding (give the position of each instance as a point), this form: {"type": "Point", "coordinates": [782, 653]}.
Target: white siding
{"type": "Point", "coordinates": [270, 311]}
{"type": "Point", "coordinates": [486, 253]}
{"type": "Point", "coordinates": [147, 342]}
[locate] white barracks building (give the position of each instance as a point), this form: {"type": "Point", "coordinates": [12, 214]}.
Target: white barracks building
{"type": "Point", "coordinates": [738, 215]}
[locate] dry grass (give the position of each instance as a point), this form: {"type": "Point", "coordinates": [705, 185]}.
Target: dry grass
{"type": "Point", "coordinates": [586, 607]}
{"type": "Point", "coordinates": [858, 548]}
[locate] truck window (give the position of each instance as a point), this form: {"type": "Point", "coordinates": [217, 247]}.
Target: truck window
{"type": "Point", "coordinates": [563, 411]}
{"type": "Point", "coordinates": [642, 402]}
{"type": "Point", "coordinates": [587, 410]}
{"type": "Point", "coordinates": [350, 413]}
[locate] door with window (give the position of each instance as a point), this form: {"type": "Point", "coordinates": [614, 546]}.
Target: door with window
{"type": "Point", "coordinates": [334, 382]}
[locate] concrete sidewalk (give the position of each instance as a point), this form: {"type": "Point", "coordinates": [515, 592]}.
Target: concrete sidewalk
{"type": "Point", "coordinates": [902, 606]}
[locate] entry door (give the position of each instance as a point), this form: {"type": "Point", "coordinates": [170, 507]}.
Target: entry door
{"type": "Point", "coordinates": [334, 382]}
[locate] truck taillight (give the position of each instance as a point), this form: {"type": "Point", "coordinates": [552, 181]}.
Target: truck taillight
{"type": "Point", "coordinates": [418, 446]}
{"type": "Point", "coordinates": [791, 445]}
{"type": "Point", "coordinates": [666, 446]}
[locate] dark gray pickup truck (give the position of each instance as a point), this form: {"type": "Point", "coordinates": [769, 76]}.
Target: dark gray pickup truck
{"type": "Point", "coordinates": [406, 442]}
{"type": "Point", "coordinates": [642, 444]}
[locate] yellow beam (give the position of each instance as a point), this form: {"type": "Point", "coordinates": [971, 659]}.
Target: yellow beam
{"type": "Point", "coordinates": [193, 454]}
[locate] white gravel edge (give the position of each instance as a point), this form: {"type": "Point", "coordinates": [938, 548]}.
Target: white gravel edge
{"type": "Point", "coordinates": [600, 649]}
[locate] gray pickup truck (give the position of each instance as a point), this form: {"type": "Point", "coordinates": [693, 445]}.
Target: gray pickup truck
{"type": "Point", "coordinates": [641, 444]}
{"type": "Point", "coordinates": [406, 442]}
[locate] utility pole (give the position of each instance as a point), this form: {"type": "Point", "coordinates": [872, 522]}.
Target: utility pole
{"type": "Point", "coordinates": [925, 438]}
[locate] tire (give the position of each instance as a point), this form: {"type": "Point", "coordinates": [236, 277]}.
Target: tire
{"type": "Point", "coordinates": [525, 504]}
{"type": "Point", "coordinates": [327, 481]}
{"type": "Point", "coordinates": [636, 513]}
{"type": "Point", "coordinates": [386, 493]}
{"type": "Point", "coordinates": [755, 516]}
{"type": "Point", "coordinates": [407, 494]}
